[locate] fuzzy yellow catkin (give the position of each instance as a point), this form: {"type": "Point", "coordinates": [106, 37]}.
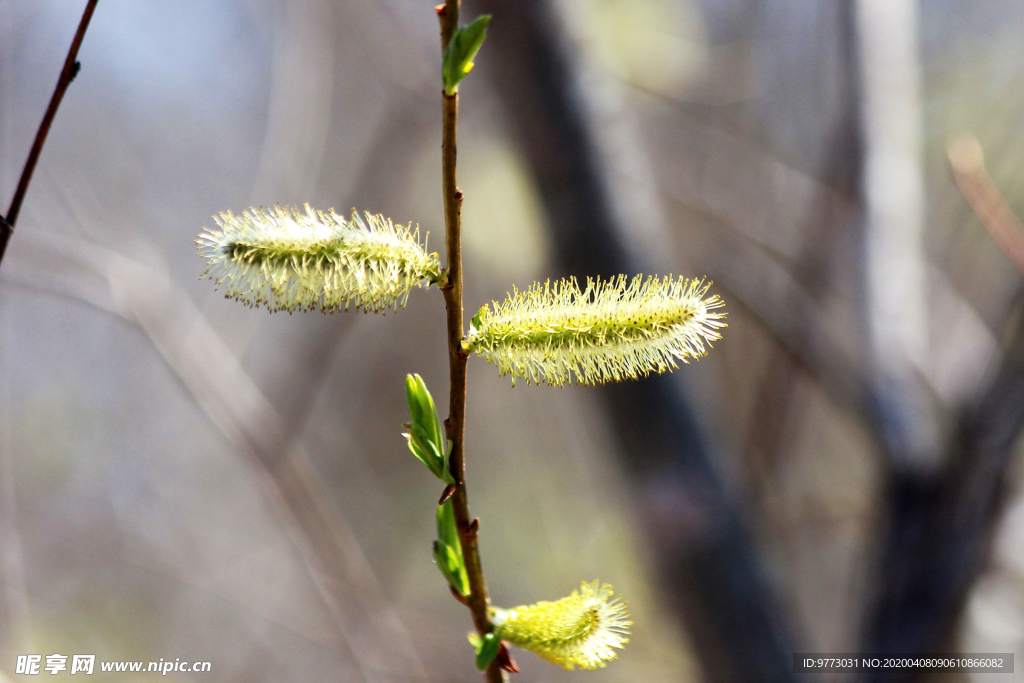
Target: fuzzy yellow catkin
{"type": "Point", "coordinates": [584, 629]}
{"type": "Point", "coordinates": [287, 259]}
{"type": "Point", "coordinates": [609, 331]}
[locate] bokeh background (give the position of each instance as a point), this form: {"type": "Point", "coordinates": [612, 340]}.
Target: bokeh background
{"type": "Point", "coordinates": [183, 477]}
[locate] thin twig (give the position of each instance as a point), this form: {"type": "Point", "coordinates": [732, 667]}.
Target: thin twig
{"type": "Point", "coordinates": [968, 163]}
{"type": "Point", "coordinates": [67, 75]}
{"type": "Point", "coordinates": [479, 602]}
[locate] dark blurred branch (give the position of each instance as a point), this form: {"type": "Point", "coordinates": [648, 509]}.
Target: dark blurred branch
{"type": "Point", "coordinates": [709, 568]}
{"type": "Point", "coordinates": [67, 75]}
{"type": "Point", "coordinates": [941, 523]}
{"type": "Point", "coordinates": [539, 88]}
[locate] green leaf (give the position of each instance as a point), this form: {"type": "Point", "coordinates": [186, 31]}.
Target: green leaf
{"type": "Point", "coordinates": [426, 435]}
{"type": "Point", "coordinates": [412, 397]}
{"type": "Point", "coordinates": [448, 478]}
{"type": "Point", "coordinates": [449, 561]}
{"type": "Point", "coordinates": [447, 530]}
{"type": "Point", "coordinates": [431, 457]}
{"type": "Point", "coordinates": [448, 550]}
{"type": "Point", "coordinates": [431, 421]}
{"type": "Point", "coordinates": [478, 320]}
{"type": "Point", "coordinates": [459, 55]}
{"type": "Point", "coordinates": [422, 454]}
{"type": "Point", "coordinates": [443, 560]}
{"type": "Point", "coordinates": [486, 651]}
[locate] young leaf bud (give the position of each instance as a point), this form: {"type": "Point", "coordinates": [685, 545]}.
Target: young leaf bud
{"type": "Point", "coordinates": [426, 435]}
{"type": "Point", "coordinates": [459, 55]}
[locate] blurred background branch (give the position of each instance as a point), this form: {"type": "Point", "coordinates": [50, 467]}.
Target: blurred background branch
{"type": "Point", "coordinates": [942, 523]}
{"type": "Point", "coordinates": [605, 218]}
{"type": "Point", "coordinates": [366, 622]}
{"type": "Point", "coordinates": [968, 164]}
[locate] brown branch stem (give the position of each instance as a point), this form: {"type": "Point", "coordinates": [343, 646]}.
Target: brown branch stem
{"type": "Point", "coordinates": [67, 75]}
{"type": "Point", "coordinates": [479, 602]}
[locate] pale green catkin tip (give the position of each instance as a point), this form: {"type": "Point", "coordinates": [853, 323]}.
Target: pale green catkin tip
{"type": "Point", "coordinates": [287, 259]}
{"type": "Point", "coordinates": [584, 629]}
{"type": "Point", "coordinates": [610, 331]}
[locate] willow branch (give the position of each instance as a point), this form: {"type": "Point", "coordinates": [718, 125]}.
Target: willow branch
{"type": "Point", "coordinates": [67, 75]}
{"type": "Point", "coordinates": [479, 602]}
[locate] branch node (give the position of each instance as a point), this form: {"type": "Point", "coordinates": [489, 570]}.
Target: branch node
{"type": "Point", "coordinates": [448, 492]}
{"type": "Point", "coordinates": [458, 596]}
{"type": "Point", "coordinates": [505, 659]}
